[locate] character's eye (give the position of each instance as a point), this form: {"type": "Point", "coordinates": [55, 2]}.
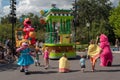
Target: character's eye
{"type": "Point", "coordinates": [28, 22]}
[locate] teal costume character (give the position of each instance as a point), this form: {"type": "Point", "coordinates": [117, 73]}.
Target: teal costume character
{"type": "Point", "coordinates": [25, 58]}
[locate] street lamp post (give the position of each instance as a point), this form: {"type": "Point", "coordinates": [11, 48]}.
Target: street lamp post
{"type": "Point", "coordinates": [75, 19]}
{"type": "Point", "coordinates": [88, 26]}
{"type": "Point", "coordinates": [13, 21]}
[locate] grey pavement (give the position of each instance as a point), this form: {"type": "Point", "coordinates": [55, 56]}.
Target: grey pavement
{"type": "Point", "coordinates": [11, 71]}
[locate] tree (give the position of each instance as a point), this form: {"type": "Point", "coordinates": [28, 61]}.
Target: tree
{"type": "Point", "coordinates": [7, 27]}
{"type": "Point", "coordinates": [114, 20]}
{"type": "Point", "coordinates": [95, 12]}
{"type": "Point", "coordinates": [5, 31]}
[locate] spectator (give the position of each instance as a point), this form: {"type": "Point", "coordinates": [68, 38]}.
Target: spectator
{"type": "Point", "coordinates": [117, 43]}
{"type": "Point", "coordinates": [8, 46]}
{"type": "Point", "coordinates": [82, 62]}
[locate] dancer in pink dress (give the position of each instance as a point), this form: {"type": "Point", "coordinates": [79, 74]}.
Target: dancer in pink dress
{"type": "Point", "coordinates": [106, 57]}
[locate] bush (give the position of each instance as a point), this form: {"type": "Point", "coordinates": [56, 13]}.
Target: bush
{"type": "Point", "coordinates": [81, 47]}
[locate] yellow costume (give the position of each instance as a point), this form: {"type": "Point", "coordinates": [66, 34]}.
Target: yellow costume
{"type": "Point", "coordinates": [93, 52]}
{"type": "Point", "coordinates": [64, 65]}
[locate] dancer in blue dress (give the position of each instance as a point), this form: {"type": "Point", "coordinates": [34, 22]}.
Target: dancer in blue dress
{"type": "Point", "coordinates": [25, 59]}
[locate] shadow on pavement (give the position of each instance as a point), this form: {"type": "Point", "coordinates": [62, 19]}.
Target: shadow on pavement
{"type": "Point", "coordinates": [74, 70]}
{"type": "Point", "coordinates": [10, 66]}
{"type": "Point", "coordinates": [116, 65]}
{"type": "Point", "coordinates": [77, 58]}
{"type": "Point", "coordinates": [115, 70]}
{"type": "Point", "coordinates": [41, 72]}
{"type": "Point", "coordinates": [48, 72]}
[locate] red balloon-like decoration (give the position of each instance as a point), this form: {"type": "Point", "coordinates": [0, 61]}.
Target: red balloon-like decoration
{"type": "Point", "coordinates": [32, 34]}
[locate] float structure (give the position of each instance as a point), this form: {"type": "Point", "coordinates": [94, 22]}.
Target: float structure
{"type": "Point", "coordinates": [58, 33]}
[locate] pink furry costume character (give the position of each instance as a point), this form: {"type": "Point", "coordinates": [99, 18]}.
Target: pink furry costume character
{"type": "Point", "coordinates": [27, 29]}
{"type": "Point", "coordinates": [106, 57]}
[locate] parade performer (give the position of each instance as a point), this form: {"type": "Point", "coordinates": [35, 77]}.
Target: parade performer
{"type": "Point", "coordinates": [94, 53]}
{"type": "Point", "coordinates": [28, 31]}
{"type": "Point", "coordinates": [25, 59]}
{"type": "Point", "coordinates": [106, 56]}
{"type": "Point", "coordinates": [64, 64]}
{"type": "Point", "coordinates": [46, 57]}
{"type": "Point", "coordinates": [37, 59]}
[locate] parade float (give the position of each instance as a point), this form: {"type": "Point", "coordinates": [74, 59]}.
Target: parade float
{"type": "Point", "coordinates": [58, 36]}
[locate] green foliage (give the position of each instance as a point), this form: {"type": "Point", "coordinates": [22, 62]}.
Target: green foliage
{"type": "Point", "coordinates": [40, 34]}
{"type": "Point", "coordinates": [114, 20]}
{"type": "Point", "coordinates": [5, 31]}
{"type": "Point", "coordinates": [81, 47]}
{"type": "Point", "coordinates": [6, 27]}
{"type": "Point", "coordinates": [34, 19]}
{"type": "Point", "coordinates": [95, 12]}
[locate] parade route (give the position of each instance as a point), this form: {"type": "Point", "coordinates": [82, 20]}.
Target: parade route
{"type": "Point", "coordinates": [11, 71]}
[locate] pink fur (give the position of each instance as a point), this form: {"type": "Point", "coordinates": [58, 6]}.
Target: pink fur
{"type": "Point", "coordinates": [106, 54]}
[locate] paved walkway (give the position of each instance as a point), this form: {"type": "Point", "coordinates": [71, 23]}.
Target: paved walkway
{"type": "Point", "coordinates": [11, 71]}
{"type": "Point", "coordinates": [76, 52]}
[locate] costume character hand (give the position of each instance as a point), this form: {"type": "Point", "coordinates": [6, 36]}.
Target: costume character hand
{"type": "Point", "coordinates": [19, 49]}
{"type": "Point", "coordinates": [32, 54]}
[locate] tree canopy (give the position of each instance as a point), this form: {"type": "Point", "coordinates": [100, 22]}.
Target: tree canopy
{"type": "Point", "coordinates": [6, 27]}
{"type": "Point", "coordinates": [114, 20]}
{"type": "Point", "coordinates": [96, 13]}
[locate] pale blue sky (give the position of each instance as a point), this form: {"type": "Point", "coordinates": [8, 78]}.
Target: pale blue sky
{"type": "Point", "coordinates": [5, 2]}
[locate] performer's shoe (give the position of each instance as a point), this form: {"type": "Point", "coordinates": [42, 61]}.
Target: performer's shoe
{"type": "Point", "coordinates": [22, 70]}
{"type": "Point", "coordinates": [39, 64]}
{"type": "Point", "coordinates": [46, 67]}
{"type": "Point", "coordinates": [26, 72]}
{"type": "Point", "coordinates": [109, 63]}
{"type": "Point", "coordinates": [35, 63]}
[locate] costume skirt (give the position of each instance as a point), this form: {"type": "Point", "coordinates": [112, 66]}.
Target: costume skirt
{"type": "Point", "coordinates": [25, 60]}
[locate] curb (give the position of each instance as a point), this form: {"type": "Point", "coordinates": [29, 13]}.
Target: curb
{"type": "Point", "coordinates": [3, 65]}
{"type": "Point", "coordinates": [116, 52]}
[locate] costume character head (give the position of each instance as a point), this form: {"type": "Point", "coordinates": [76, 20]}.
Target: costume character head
{"type": "Point", "coordinates": [25, 45]}
{"type": "Point", "coordinates": [103, 38]}
{"type": "Point", "coordinates": [27, 22]}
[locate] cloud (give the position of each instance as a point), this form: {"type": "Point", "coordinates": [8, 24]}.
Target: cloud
{"type": "Point", "coordinates": [115, 2]}
{"type": "Point", "coordinates": [34, 6]}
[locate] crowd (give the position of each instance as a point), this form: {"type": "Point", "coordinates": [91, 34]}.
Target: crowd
{"type": "Point", "coordinates": [6, 55]}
